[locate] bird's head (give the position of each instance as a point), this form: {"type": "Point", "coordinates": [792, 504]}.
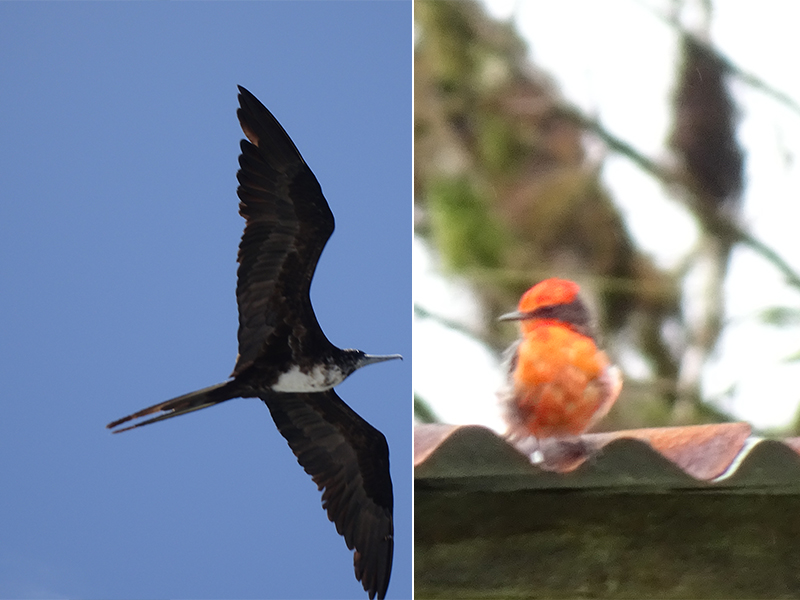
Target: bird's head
{"type": "Point", "coordinates": [552, 299]}
{"type": "Point", "coordinates": [352, 360]}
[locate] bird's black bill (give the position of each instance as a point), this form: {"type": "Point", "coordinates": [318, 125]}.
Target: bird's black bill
{"type": "Point", "coordinates": [575, 314]}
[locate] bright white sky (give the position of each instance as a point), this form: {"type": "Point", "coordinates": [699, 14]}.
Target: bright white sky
{"type": "Point", "coordinates": [616, 61]}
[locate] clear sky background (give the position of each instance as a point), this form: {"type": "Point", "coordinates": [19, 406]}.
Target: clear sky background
{"type": "Point", "coordinates": [118, 237]}
{"type": "Point", "coordinates": [616, 61]}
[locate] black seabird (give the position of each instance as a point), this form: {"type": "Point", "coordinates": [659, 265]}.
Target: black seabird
{"type": "Point", "coordinates": [285, 358]}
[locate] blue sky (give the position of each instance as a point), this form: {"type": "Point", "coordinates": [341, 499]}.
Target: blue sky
{"type": "Point", "coordinates": [118, 237]}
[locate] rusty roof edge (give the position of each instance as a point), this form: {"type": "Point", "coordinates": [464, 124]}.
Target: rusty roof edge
{"type": "Point", "coordinates": [717, 456]}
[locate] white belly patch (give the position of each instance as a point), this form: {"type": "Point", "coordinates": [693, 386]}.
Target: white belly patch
{"type": "Point", "coordinates": [319, 379]}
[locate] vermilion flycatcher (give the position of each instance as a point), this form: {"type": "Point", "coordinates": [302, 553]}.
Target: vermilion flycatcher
{"type": "Point", "coordinates": [560, 382]}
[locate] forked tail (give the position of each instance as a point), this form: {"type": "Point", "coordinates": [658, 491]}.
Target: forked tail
{"type": "Point", "coordinates": [181, 405]}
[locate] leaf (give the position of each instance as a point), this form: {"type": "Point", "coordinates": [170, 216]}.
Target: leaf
{"type": "Point", "coordinates": [780, 316]}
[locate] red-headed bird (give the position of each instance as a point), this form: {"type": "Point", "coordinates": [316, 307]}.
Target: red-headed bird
{"type": "Point", "coordinates": [560, 382]}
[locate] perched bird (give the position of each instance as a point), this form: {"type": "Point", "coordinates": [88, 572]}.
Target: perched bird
{"type": "Point", "coordinates": [285, 358]}
{"type": "Point", "coordinates": [560, 383]}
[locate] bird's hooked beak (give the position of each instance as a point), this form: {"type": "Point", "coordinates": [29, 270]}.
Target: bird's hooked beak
{"type": "Point", "coordinates": [371, 359]}
{"type": "Point", "coordinates": [514, 316]}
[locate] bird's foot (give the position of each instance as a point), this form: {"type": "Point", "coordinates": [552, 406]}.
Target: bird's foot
{"type": "Point", "coordinates": [565, 454]}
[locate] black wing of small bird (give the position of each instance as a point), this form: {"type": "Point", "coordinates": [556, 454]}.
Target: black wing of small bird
{"type": "Point", "coordinates": [349, 459]}
{"type": "Point", "coordinates": [288, 223]}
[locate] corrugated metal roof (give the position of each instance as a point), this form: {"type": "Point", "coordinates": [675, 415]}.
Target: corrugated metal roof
{"type": "Point", "coordinates": [720, 456]}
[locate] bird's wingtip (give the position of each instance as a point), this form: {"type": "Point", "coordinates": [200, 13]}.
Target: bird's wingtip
{"type": "Point", "coordinates": [246, 94]}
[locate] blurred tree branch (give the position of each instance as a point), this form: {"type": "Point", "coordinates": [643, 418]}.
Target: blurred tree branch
{"type": "Point", "coordinates": [750, 79]}
{"type": "Point", "coordinates": [712, 221]}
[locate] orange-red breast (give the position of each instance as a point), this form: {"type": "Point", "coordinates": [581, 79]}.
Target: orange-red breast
{"type": "Point", "coordinates": [560, 382]}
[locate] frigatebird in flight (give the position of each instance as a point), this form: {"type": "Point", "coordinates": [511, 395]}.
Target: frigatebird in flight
{"type": "Point", "coordinates": [285, 358]}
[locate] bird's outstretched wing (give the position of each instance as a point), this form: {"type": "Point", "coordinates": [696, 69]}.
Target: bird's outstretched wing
{"type": "Point", "coordinates": [348, 459]}
{"type": "Point", "coordinates": [288, 225]}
